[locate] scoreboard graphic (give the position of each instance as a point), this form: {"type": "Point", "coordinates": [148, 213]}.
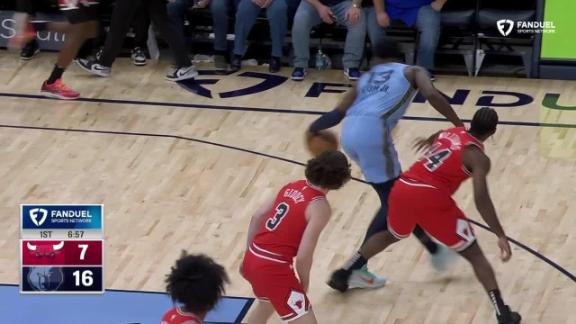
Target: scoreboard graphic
{"type": "Point", "coordinates": [61, 249]}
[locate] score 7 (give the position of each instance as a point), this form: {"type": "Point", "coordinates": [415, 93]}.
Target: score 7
{"type": "Point", "coordinates": [83, 248]}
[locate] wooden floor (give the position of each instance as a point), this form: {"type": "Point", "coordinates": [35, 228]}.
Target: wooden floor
{"type": "Point", "coordinates": [164, 194]}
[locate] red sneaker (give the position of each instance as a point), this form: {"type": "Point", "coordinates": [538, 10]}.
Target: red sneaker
{"type": "Point", "coordinates": [58, 90]}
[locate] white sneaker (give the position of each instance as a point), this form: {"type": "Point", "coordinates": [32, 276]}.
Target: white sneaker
{"type": "Point", "coordinates": [183, 73]}
{"type": "Point", "coordinates": [364, 279]}
{"type": "Point", "coordinates": [443, 258]}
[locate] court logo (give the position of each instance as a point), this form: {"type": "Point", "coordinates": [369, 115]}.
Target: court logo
{"type": "Point", "coordinates": [38, 216]}
{"type": "Point", "coordinates": [505, 26]}
{"type": "Point", "coordinates": [45, 278]}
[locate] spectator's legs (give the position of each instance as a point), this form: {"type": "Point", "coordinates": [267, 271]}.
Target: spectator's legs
{"type": "Point", "coordinates": [121, 19]}
{"type": "Point", "coordinates": [306, 17]}
{"type": "Point", "coordinates": [141, 24]}
{"type": "Point", "coordinates": [277, 15]}
{"type": "Point", "coordinates": [177, 14]}
{"type": "Point", "coordinates": [355, 37]}
{"type": "Point", "coordinates": [245, 18]}
{"type": "Point", "coordinates": [219, 9]}
{"type": "Point", "coordinates": [428, 24]}
{"type": "Point", "coordinates": [159, 15]}
{"type": "Point", "coordinates": [376, 34]}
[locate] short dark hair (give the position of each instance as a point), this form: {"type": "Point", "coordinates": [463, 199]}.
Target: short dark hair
{"type": "Point", "coordinates": [484, 121]}
{"type": "Point", "coordinates": [329, 170]}
{"type": "Point", "coordinates": [387, 49]}
{"type": "Point", "coordinates": [197, 282]}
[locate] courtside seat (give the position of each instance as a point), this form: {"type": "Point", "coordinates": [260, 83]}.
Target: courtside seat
{"type": "Point", "coordinates": [492, 42]}
{"type": "Point", "coordinates": [458, 35]}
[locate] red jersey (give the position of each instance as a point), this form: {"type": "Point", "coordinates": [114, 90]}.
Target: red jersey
{"type": "Point", "coordinates": [442, 165]}
{"type": "Point", "coordinates": [177, 316]}
{"type": "Point", "coordinates": [281, 232]}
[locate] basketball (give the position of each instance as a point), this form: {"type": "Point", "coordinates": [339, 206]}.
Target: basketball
{"type": "Point", "coordinates": [324, 140]}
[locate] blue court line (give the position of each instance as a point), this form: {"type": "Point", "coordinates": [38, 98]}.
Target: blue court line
{"type": "Point", "coordinates": [262, 110]}
{"type": "Point", "coordinates": [113, 307]}
{"type": "Point", "coordinates": [555, 265]}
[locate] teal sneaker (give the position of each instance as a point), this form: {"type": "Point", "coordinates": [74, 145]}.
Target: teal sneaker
{"type": "Point", "coordinates": [364, 279]}
{"type": "Point", "coordinates": [443, 258]}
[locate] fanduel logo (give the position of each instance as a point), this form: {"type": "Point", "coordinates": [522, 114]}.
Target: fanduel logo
{"type": "Point", "coordinates": [38, 216]}
{"type": "Point", "coordinates": [505, 26]}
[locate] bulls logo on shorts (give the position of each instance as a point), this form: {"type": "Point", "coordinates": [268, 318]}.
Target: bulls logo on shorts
{"type": "Point", "coordinates": [297, 302]}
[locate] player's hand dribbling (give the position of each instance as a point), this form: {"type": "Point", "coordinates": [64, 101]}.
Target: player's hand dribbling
{"type": "Point", "coordinates": [505, 251]}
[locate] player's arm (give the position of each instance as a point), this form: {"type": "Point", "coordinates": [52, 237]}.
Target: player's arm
{"type": "Point", "coordinates": [334, 117]}
{"type": "Point", "coordinates": [420, 79]}
{"type": "Point", "coordinates": [479, 164]}
{"type": "Point", "coordinates": [257, 219]}
{"type": "Point", "coordinates": [422, 144]}
{"type": "Point", "coordinates": [318, 213]}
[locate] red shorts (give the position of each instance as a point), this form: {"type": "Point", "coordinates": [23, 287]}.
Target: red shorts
{"type": "Point", "coordinates": [413, 203]}
{"type": "Point", "coordinates": [273, 280]}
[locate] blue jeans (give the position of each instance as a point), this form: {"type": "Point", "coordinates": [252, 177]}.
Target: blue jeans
{"type": "Point", "coordinates": [246, 16]}
{"type": "Point", "coordinates": [307, 17]}
{"type": "Point", "coordinates": [427, 23]}
{"type": "Point", "coordinates": [219, 9]}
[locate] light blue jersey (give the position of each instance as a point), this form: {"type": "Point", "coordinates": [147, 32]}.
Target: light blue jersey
{"type": "Point", "coordinates": [383, 94]}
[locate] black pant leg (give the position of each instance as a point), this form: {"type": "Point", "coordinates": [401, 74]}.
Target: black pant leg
{"type": "Point", "coordinates": [159, 16]}
{"type": "Point", "coordinates": [121, 19]}
{"type": "Point", "coordinates": [141, 24]}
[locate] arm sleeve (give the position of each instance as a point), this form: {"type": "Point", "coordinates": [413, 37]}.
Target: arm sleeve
{"type": "Point", "coordinates": [327, 120]}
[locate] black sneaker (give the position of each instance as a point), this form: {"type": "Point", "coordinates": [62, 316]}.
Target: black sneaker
{"type": "Point", "coordinates": [29, 50]}
{"type": "Point", "coordinates": [339, 280]}
{"type": "Point", "coordinates": [275, 64]}
{"type": "Point", "coordinates": [236, 63]}
{"type": "Point", "coordinates": [353, 74]}
{"type": "Point", "coordinates": [138, 56]}
{"type": "Point", "coordinates": [94, 67]}
{"type": "Point", "coordinates": [509, 317]}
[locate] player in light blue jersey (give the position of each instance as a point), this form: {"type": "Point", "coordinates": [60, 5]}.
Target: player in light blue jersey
{"type": "Point", "coordinates": [370, 111]}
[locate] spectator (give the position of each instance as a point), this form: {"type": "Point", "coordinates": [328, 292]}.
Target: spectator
{"type": "Point", "coordinates": [121, 18]}
{"type": "Point", "coordinates": [423, 14]}
{"type": "Point", "coordinates": [313, 12]}
{"type": "Point", "coordinates": [141, 25]}
{"type": "Point", "coordinates": [248, 11]}
{"type": "Point", "coordinates": [219, 8]}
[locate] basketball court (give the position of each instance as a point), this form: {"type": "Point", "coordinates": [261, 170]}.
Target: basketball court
{"type": "Point", "coordinates": [184, 166]}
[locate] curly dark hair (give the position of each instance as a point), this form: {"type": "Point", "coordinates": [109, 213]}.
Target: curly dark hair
{"type": "Point", "coordinates": [197, 282]}
{"type": "Point", "coordinates": [329, 170]}
{"type": "Point", "coordinates": [484, 122]}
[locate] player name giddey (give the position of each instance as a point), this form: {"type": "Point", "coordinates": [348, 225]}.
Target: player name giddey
{"type": "Point", "coordinates": [295, 195]}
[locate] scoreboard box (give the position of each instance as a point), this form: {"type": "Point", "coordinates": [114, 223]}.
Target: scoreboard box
{"type": "Point", "coordinates": [61, 253]}
{"type": "Point", "coordinates": [52, 221]}
{"type": "Point", "coordinates": [61, 280]}
{"type": "Point", "coordinates": [61, 249]}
